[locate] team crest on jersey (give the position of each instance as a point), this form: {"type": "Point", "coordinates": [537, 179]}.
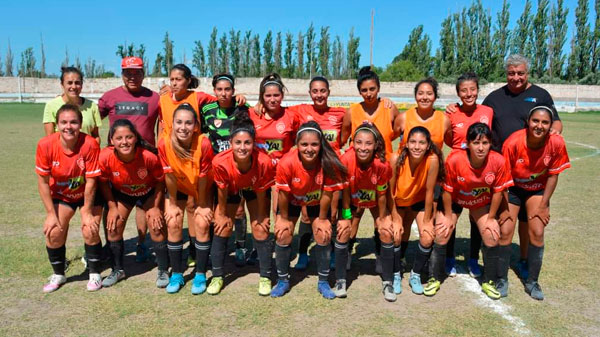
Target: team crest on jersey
{"type": "Point", "coordinates": [461, 179]}
{"type": "Point", "coordinates": [81, 163]}
{"type": "Point", "coordinates": [217, 123]}
{"type": "Point", "coordinates": [332, 119]}
{"type": "Point", "coordinates": [296, 180]}
{"type": "Point", "coordinates": [460, 125]}
{"type": "Point", "coordinates": [520, 161]}
{"type": "Point", "coordinates": [253, 180]}
{"type": "Point", "coordinates": [484, 119]}
{"type": "Point", "coordinates": [142, 173]}
{"type": "Point", "coordinates": [547, 160]}
{"type": "Point", "coordinates": [309, 118]}
{"type": "Point", "coordinates": [489, 178]}
{"type": "Point", "coordinates": [374, 179]}
{"type": "Point", "coordinates": [319, 178]}
{"type": "Point", "coordinates": [280, 127]}
{"type": "Point", "coordinates": [116, 173]}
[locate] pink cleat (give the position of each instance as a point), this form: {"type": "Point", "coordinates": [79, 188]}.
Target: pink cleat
{"type": "Point", "coordinates": [95, 282]}
{"type": "Point", "coordinates": [54, 282]}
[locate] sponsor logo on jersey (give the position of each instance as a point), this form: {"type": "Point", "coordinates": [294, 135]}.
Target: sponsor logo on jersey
{"type": "Point", "coordinates": [364, 195]}
{"type": "Point", "coordinates": [75, 182]}
{"type": "Point", "coordinates": [296, 180]}
{"type": "Point", "coordinates": [142, 173]}
{"type": "Point", "coordinates": [489, 178]}
{"type": "Point", "coordinates": [217, 122]}
{"type": "Point", "coordinates": [135, 187]}
{"type": "Point", "coordinates": [272, 145]}
{"type": "Point", "coordinates": [531, 99]}
{"type": "Point", "coordinates": [476, 192]}
{"type": "Point", "coordinates": [312, 196]}
{"type": "Point", "coordinates": [461, 179]}
{"type": "Point", "coordinates": [460, 125]}
{"type": "Point", "coordinates": [116, 173]}
{"type": "Point", "coordinates": [330, 135]}
{"type": "Point", "coordinates": [55, 163]}
{"type": "Point", "coordinates": [520, 161]}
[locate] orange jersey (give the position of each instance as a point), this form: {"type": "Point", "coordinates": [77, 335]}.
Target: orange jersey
{"type": "Point", "coordinates": [365, 185]}
{"type": "Point", "coordinates": [382, 119]}
{"type": "Point", "coordinates": [67, 170]}
{"type": "Point", "coordinates": [473, 187]}
{"type": "Point", "coordinates": [329, 120]}
{"type": "Point", "coordinates": [259, 178]}
{"type": "Point", "coordinates": [461, 120]}
{"type": "Point", "coordinates": [275, 136]}
{"type": "Point", "coordinates": [304, 186]}
{"type": "Point", "coordinates": [530, 168]}
{"type": "Point", "coordinates": [187, 171]}
{"type": "Point", "coordinates": [135, 178]}
{"type": "Point", "coordinates": [411, 186]}
{"type": "Point", "coordinates": [167, 106]}
{"type": "Point", "coordinates": [434, 124]}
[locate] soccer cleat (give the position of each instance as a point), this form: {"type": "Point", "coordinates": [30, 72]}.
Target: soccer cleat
{"type": "Point", "coordinates": [162, 279]}
{"type": "Point", "coordinates": [489, 288]}
{"type": "Point", "coordinates": [388, 292]}
{"type": "Point", "coordinates": [397, 284]}
{"type": "Point", "coordinates": [325, 290]}
{"type": "Point", "coordinates": [523, 269]}
{"type": "Point", "coordinates": [54, 282]}
{"type": "Point", "coordinates": [114, 277]}
{"type": "Point", "coordinates": [264, 286]}
{"type": "Point", "coordinates": [95, 282]}
{"type": "Point", "coordinates": [502, 287]}
{"type": "Point", "coordinates": [302, 263]}
{"type": "Point", "coordinates": [340, 289]}
{"type": "Point", "coordinates": [142, 253]}
{"type": "Point", "coordinates": [199, 284]}
{"type": "Point", "coordinates": [474, 269]}
{"type": "Point", "coordinates": [240, 257]}
{"type": "Point", "coordinates": [534, 290]}
{"type": "Point", "coordinates": [282, 287]}
{"type": "Point", "coordinates": [216, 284]}
{"type": "Point", "coordinates": [432, 287]}
{"type": "Point", "coordinates": [451, 266]}
{"type": "Point", "coordinates": [415, 283]}
{"type": "Point", "coordinates": [175, 283]}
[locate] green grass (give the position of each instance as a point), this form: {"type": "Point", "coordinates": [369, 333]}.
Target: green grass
{"type": "Point", "coordinates": [136, 308]}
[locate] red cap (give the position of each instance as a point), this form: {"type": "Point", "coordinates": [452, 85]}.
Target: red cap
{"type": "Point", "coordinates": [132, 62]}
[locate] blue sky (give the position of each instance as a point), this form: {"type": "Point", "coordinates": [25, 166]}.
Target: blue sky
{"type": "Point", "coordinates": [94, 29]}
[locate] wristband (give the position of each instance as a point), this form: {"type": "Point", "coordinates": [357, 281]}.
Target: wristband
{"type": "Point", "coordinates": [346, 214]}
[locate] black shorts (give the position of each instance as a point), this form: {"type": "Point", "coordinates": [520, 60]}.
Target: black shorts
{"type": "Point", "coordinates": [312, 211]}
{"type": "Point", "coordinates": [98, 201]}
{"type": "Point", "coordinates": [180, 196]}
{"type": "Point", "coordinates": [131, 201]}
{"type": "Point", "coordinates": [518, 196]}
{"type": "Point", "coordinates": [416, 207]}
{"type": "Point", "coordinates": [247, 195]}
{"type": "Point", "coordinates": [456, 208]}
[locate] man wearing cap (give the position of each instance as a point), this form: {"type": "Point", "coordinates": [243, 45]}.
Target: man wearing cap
{"type": "Point", "coordinates": [138, 104]}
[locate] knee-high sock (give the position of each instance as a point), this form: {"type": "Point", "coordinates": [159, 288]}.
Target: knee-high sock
{"type": "Point", "coordinates": [450, 244]}
{"type": "Point", "coordinates": [282, 261]}
{"type": "Point", "coordinates": [175, 252]}
{"type": "Point", "coordinates": [265, 256]}
{"type": "Point", "coordinates": [421, 259]}
{"type": "Point", "coordinates": [202, 252]}
{"type": "Point", "coordinates": [341, 259]}
{"type": "Point", "coordinates": [386, 254]}
{"type": "Point", "coordinates": [162, 255]}
{"type": "Point", "coordinates": [117, 249]}
{"type": "Point", "coordinates": [192, 247]}
{"type": "Point", "coordinates": [403, 248]}
{"type": "Point", "coordinates": [437, 262]}
{"type": "Point", "coordinates": [240, 227]}
{"type": "Point", "coordinates": [217, 254]}
{"type": "Point", "coordinates": [490, 262]}
{"type": "Point", "coordinates": [94, 256]}
{"type": "Point", "coordinates": [504, 262]}
{"type": "Point", "coordinates": [305, 231]}
{"type": "Point", "coordinates": [57, 257]}
{"type": "Point", "coordinates": [397, 259]}
{"type": "Point", "coordinates": [475, 240]}
{"type": "Point", "coordinates": [323, 261]}
{"type": "Point", "coordinates": [377, 241]}
{"type": "Point", "coordinates": [535, 256]}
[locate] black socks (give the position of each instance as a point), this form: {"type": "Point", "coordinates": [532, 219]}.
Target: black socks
{"type": "Point", "coordinates": [162, 256]}
{"type": "Point", "coordinates": [535, 255]}
{"type": "Point", "coordinates": [322, 253]}
{"type": "Point", "coordinates": [341, 259]}
{"type": "Point", "coordinates": [490, 262]}
{"type": "Point", "coordinates": [504, 262]}
{"type": "Point", "coordinates": [421, 259]}
{"type": "Point", "coordinates": [57, 257]}
{"type": "Point", "coordinates": [240, 228]}
{"type": "Point", "coordinates": [175, 252]}
{"type": "Point", "coordinates": [117, 249]}
{"type": "Point", "coordinates": [438, 261]}
{"type": "Point", "coordinates": [202, 252]}
{"type": "Point", "coordinates": [386, 254]}
{"type": "Point", "coordinates": [94, 255]}
{"type": "Point", "coordinates": [264, 252]}
{"type": "Point", "coordinates": [282, 261]}
{"type": "Point", "coordinates": [217, 255]}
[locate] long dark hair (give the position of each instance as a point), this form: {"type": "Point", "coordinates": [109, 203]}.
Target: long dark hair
{"type": "Point", "coordinates": [331, 164]}
{"type": "Point", "coordinates": [364, 74]}
{"type": "Point", "coordinates": [431, 148]}
{"type": "Point", "coordinates": [187, 74]}
{"type": "Point", "coordinates": [379, 151]}
{"type": "Point", "coordinates": [270, 79]}
{"type": "Point", "coordinates": [140, 142]}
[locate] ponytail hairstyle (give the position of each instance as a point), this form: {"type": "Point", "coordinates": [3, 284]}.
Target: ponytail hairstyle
{"type": "Point", "coordinates": [140, 142]}
{"type": "Point", "coordinates": [331, 164]}
{"type": "Point", "coordinates": [270, 79]}
{"type": "Point", "coordinates": [433, 83]}
{"type": "Point", "coordinates": [379, 151]}
{"type": "Point", "coordinates": [319, 79]}
{"type": "Point", "coordinates": [242, 122]}
{"type": "Point", "coordinates": [548, 110]}
{"type": "Point", "coordinates": [223, 76]}
{"type": "Point", "coordinates": [364, 74]}
{"type": "Point", "coordinates": [431, 148]}
{"type": "Point", "coordinates": [180, 151]}
{"type": "Point", "coordinates": [470, 76]}
{"type": "Point", "coordinates": [69, 107]}
{"type": "Point", "coordinates": [187, 74]}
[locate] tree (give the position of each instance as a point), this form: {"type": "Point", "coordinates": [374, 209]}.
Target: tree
{"type": "Point", "coordinates": [247, 53]}
{"type": "Point", "coordinates": [125, 50]}
{"type": "Point", "coordinates": [277, 63]}
{"type": "Point", "coordinates": [402, 70]}
{"type": "Point", "coordinates": [256, 56]}
{"type": "Point", "coordinates": [66, 62]}
{"type": "Point", "coordinates": [324, 50]}
{"type": "Point", "coordinates": [300, 56]}
{"type": "Point", "coordinates": [168, 54]}
{"type": "Point", "coordinates": [540, 41]}
{"type": "Point", "coordinates": [337, 58]}
{"type": "Point", "coordinates": [234, 52]}
{"type": "Point", "coordinates": [579, 60]}
{"type": "Point", "coordinates": [483, 57]}
{"type": "Point", "coordinates": [352, 55]}
{"type": "Point", "coordinates": [9, 61]}
{"type": "Point", "coordinates": [198, 60]}
{"type": "Point", "coordinates": [77, 62]}
{"type": "Point", "coordinates": [444, 60]}
{"type": "Point", "coordinates": [521, 41]}
{"type": "Point", "coordinates": [157, 70]}
{"type": "Point", "coordinates": [27, 65]}
{"type": "Point", "coordinates": [557, 38]}
{"type": "Point", "coordinates": [501, 39]}
{"type": "Point", "coordinates": [223, 56]}
{"type": "Point", "coordinates": [141, 53]}
{"type": "Point", "coordinates": [43, 64]}
{"type": "Point", "coordinates": [311, 62]}
{"type": "Point", "coordinates": [288, 55]}
{"type": "Point", "coordinates": [212, 53]}
{"type": "Point", "coordinates": [89, 68]}
{"type": "Point", "coordinates": [268, 52]}
{"type": "Point", "coordinates": [417, 50]}
{"type": "Point", "coordinates": [595, 66]}
{"type": "Point", "coordinates": [1, 70]}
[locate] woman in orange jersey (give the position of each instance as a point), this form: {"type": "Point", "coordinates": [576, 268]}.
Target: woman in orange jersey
{"type": "Point", "coordinates": [307, 176]}
{"type": "Point", "coordinates": [466, 114]}
{"type": "Point", "coordinates": [182, 85]}
{"type": "Point", "coordinates": [536, 158]}
{"type": "Point", "coordinates": [186, 157]}
{"type": "Point", "coordinates": [132, 176]}
{"type": "Point", "coordinates": [475, 179]}
{"type": "Point", "coordinates": [415, 171]}
{"type": "Point", "coordinates": [368, 177]}
{"type": "Point", "coordinates": [245, 172]}
{"type": "Point", "coordinates": [66, 163]}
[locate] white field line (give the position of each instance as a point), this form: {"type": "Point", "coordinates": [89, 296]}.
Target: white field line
{"type": "Point", "coordinates": [591, 147]}
{"type": "Point", "coordinates": [470, 284]}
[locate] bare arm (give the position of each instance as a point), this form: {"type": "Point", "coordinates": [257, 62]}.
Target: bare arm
{"type": "Point", "coordinates": [49, 128]}
{"type": "Point", "coordinates": [430, 186]}
{"type": "Point", "coordinates": [399, 124]}
{"type": "Point", "coordinates": [346, 128]}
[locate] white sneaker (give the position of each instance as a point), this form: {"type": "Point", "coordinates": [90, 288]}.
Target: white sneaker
{"type": "Point", "coordinates": [54, 282]}
{"type": "Point", "coordinates": [95, 282]}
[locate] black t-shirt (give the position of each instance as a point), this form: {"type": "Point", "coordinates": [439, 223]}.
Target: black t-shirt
{"type": "Point", "coordinates": [511, 110]}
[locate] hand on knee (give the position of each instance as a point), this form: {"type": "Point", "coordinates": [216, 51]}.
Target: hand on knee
{"type": "Point", "coordinates": [489, 240]}
{"type": "Point", "coordinates": [426, 238]}
{"type": "Point", "coordinates": [386, 235]}
{"type": "Point", "coordinates": [284, 239]}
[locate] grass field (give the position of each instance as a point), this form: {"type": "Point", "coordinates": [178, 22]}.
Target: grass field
{"type": "Point", "coordinates": [135, 307]}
